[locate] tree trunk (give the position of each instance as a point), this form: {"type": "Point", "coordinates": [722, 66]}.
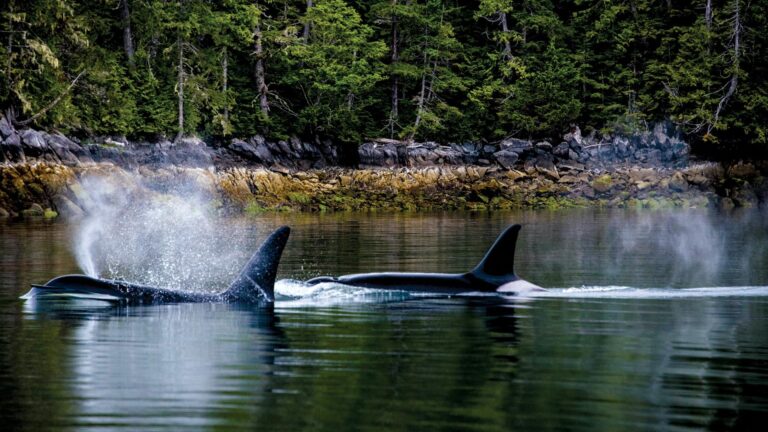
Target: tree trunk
{"type": "Point", "coordinates": [50, 105]}
{"type": "Point", "coordinates": [423, 92]}
{"type": "Point", "coordinates": [393, 114]}
{"type": "Point", "coordinates": [708, 14]}
{"type": "Point", "coordinates": [125, 14]}
{"type": "Point", "coordinates": [734, 80]}
{"type": "Point", "coordinates": [180, 87]}
{"type": "Point", "coordinates": [420, 105]}
{"type": "Point", "coordinates": [505, 29]}
{"type": "Point", "coordinates": [307, 24]}
{"type": "Point", "coordinates": [9, 82]}
{"type": "Point", "coordinates": [261, 81]}
{"type": "Point", "coordinates": [224, 83]}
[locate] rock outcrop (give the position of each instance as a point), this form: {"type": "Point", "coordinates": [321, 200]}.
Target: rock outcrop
{"type": "Point", "coordinates": [41, 173]}
{"type": "Point", "coordinates": [660, 147]}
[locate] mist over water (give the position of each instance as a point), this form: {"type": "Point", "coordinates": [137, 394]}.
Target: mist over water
{"type": "Point", "coordinates": [692, 242]}
{"type": "Point", "coordinates": [167, 236]}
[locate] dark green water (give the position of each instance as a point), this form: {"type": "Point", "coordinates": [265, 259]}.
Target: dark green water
{"type": "Point", "coordinates": [656, 321]}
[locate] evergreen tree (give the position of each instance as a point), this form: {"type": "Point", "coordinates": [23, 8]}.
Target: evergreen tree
{"type": "Point", "coordinates": [412, 69]}
{"type": "Point", "coordinates": [334, 71]}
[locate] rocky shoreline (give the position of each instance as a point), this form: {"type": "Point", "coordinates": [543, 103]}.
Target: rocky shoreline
{"type": "Point", "coordinates": [47, 190]}
{"type": "Point", "coordinates": [42, 174]}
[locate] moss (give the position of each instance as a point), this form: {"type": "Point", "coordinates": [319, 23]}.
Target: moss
{"type": "Point", "coordinates": [298, 197]}
{"type": "Point", "coordinates": [602, 183]}
{"type": "Point", "coordinates": [253, 208]}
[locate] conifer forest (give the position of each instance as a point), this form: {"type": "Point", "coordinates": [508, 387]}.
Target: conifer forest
{"type": "Point", "coordinates": [440, 70]}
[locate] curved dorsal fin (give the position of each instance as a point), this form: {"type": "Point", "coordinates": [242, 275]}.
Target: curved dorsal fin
{"type": "Point", "coordinates": [256, 281]}
{"type": "Point", "coordinates": [499, 261]}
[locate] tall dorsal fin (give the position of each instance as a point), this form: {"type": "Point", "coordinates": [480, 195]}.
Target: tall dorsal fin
{"type": "Point", "coordinates": [499, 262]}
{"type": "Point", "coordinates": [256, 281]}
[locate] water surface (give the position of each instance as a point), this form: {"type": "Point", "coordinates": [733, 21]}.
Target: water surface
{"type": "Point", "coordinates": [654, 321]}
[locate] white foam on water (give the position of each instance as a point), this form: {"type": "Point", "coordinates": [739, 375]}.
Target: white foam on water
{"type": "Point", "coordinates": [625, 292]}
{"type": "Point", "coordinates": [292, 293]}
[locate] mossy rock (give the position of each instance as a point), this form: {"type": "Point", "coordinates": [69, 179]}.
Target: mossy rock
{"type": "Point", "coordinates": [602, 184]}
{"type": "Point", "coordinates": [35, 210]}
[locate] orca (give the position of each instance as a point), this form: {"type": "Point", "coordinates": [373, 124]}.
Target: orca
{"type": "Point", "coordinates": [254, 285]}
{"type": "Point", "coordinates": [494, 273]}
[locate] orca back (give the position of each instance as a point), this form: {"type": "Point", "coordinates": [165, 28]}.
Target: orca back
{"type": "Point", "coordinates": [498, 265]}
{"type": "Point", "coordinates": [256, 281]}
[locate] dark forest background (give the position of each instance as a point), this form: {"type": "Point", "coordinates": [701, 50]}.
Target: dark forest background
{"type": "Point", "coordinates": [447, 71]}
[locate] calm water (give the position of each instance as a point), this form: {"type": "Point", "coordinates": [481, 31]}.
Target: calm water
{"type": "Point", "coordinates": [655, 321]}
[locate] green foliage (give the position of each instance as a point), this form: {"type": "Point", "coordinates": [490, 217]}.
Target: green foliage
{"type": "Point", "coordinates": [415, 69]}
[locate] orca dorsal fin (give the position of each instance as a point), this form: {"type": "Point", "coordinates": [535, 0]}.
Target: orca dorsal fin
{"type": "Point", "coordinates": [256, 281]}
{"type": "Point", "coordinates": [498, 264]}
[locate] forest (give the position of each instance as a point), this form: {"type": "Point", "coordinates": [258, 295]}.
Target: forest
{"type": "Point", "coordinates": [346, 70]}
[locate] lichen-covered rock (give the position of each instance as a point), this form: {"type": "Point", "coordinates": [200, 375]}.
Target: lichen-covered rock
{"type": "Point", "coordinates": [602, 184]}
{"type": "Point", "coordinates": [546, 166]}
{"type": "Point", "coordinates": [35, 210]}
{"type": "Point", "coordinates": [678, 182]}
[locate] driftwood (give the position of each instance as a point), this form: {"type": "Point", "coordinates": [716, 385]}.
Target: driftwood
{"type": "Point", "coordinates": [388, 141]}
{"type": "Point", "coordinates": [50, 105]}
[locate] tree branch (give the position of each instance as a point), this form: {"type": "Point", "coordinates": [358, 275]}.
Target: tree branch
{"type": "Point", "coordinates": [52, 104]}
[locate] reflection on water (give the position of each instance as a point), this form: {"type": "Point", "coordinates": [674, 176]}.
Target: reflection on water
{"type": "Point", "coordinates": [575, 359]}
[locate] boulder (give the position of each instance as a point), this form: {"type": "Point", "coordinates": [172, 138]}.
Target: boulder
{"type": "Point", "coordinates": [571, 166]}
{"type": "Point", "coordinates": [63, 147]}
{"type": "Point", "coordinates": [284, 148]}
{"type": "Point", "coordinates": [678, 183]}
{"type": "Point", "coordinates": [6, 128]}
{"type": "Point", "coordinates": [562, 150]}
{"type": "Point", "coordinates": [602, 184]}
{"type": "Point", "coordinates": [11, 148]}
{"type": "Point", "coordinates": [516, 145]}
{"type": "Point", "coordinates": [506, 158]}
{"type": "Point", "coordinates": [67, 208]}
{"type": "Point", "coordinates": [743, 171]}
{"type": "Point", "coordinates": [378, 155]}
{"type": "Point", "coordinates": [261, 150]}
{"type": "Point", "coordinates": [622, 147]}
{"type": "Point", "coordinates": [246, 150]}
{"type": "Point", "coordinates": [545, 146]}
{"type": "Point", "coordinates": [4, 213]}
{"type": "Point", "coordinates": [546, 166]}
{"type": "Point", "coordinates": [573, 138]}
{"type": "Point", "coordinates": [34, 210]}
{"type": "Point", "coordinates": [33, 140]}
